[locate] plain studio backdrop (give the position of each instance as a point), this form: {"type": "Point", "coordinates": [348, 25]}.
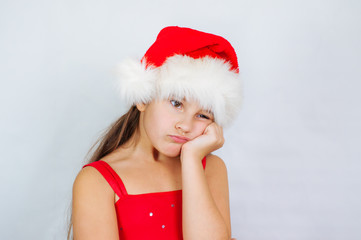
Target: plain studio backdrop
{"type": "Point", "coordinates": [293, 154]}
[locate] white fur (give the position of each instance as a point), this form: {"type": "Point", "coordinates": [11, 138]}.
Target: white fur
{"type": "Point", "coordinates": [136, 83]}
{"type": "Point", "coordinates": [207, 80]}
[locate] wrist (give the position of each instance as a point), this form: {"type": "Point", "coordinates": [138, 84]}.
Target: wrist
{"type": "Point", "coordinates": [191, 157]}
{"type": "Point", "coordinates": [188, 152]}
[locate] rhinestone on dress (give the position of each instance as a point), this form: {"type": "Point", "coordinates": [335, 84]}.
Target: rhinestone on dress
{"type": "Point", "coordinates": [163, 226]}
{"type": "Point", "coordinates": [172, 205]}
{"type": "Point", "coordinates": [151, 214]}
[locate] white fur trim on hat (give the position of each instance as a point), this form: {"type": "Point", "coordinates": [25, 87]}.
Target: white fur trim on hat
{"type": "Point", "coordinates": [136, 83]}
{"type": "Point", "coordinates": [207, 80]}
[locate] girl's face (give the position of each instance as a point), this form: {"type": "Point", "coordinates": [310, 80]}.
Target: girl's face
{"type": "Point", "coordinates": [168, 124]}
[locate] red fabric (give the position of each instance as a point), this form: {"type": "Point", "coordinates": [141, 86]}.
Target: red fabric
{"type": "Point", "coordinates": [150, 216]}
{"type": "Point", "coordinates": [186, 41]}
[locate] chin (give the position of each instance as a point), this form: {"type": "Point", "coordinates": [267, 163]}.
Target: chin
{"type": "Point", "coordinates": [173, 151]}
{"type": "Point", "coordinates": [172, 154]}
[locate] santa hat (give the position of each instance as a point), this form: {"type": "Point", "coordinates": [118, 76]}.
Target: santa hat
{"type": "Point", "coordinates": [185, 63]}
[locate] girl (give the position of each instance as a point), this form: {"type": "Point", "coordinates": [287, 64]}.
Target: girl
{"type": "Point", "coordinates": [153, 175]}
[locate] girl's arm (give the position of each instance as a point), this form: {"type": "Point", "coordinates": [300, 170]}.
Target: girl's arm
{"type": "Point", "coordinates": [93, 213]}
{"type": "Point", "coordinates": [206, 213]}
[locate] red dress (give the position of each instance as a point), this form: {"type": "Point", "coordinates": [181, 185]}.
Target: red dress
{"type": "Point", "coordinates": [155, 215]}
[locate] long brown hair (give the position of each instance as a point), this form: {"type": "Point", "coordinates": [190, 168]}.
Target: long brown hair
{"type": "Point", "coordinates": [116, 135]}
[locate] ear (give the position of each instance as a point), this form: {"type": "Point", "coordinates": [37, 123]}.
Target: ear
{"type": "Point", "coordinates": [141, 107]}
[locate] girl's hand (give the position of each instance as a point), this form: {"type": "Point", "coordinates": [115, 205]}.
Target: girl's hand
{"type": "Point", "coordinates": [211, 140]}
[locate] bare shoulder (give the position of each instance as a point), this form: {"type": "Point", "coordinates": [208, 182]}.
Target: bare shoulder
{"type": "Point", "coordinates": [89, 180]}
{"type": "Point", "coordinates": [216, 175]}
{"type": "Point", "coordinates": [90, 190]}
{"type": "Point", "coordinates": [215, 166]}
{"type": "Point", "coordinates": [93, 212]}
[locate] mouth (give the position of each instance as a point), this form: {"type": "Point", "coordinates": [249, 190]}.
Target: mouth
{"type": "Point", "coordinates": [179, 139]}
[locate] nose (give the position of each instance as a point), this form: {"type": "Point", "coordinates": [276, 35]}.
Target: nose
{"type": "Point", "coordinates": [184, 125]}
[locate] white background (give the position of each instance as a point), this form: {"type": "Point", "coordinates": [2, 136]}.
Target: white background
{"type": "Point", "coordinates": [293, 154]}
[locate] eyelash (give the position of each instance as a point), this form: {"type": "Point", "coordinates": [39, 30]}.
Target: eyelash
{"type": "Point", "coordinates": [178, 104]}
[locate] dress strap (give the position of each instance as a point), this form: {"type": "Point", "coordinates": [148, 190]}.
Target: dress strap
{"type": "Point", "coordinates": [111, 176]}
{"type": "Point", "coordinates": [204, 162]}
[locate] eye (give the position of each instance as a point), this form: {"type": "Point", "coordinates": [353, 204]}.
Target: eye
{"type": "Point", "coordinates": [204, 116]}
{"type": "Point", "coordinates": [176, 103]}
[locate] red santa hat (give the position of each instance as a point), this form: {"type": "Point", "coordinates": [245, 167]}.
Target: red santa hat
{"type": "Point", "coordinates": [186, 63]}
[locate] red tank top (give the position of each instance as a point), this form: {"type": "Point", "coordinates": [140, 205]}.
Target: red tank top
{"type": "Point", "coordinates": [150, 216]}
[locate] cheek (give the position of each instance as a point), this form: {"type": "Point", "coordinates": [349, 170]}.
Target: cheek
{"type": "Point", "coordinates": [157, 124]}
{"type": "Point", "coordinates": [199, 128]}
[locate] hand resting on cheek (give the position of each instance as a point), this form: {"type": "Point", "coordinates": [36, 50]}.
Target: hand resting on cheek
{"type": "Point", "coordinates": [211, 140]}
